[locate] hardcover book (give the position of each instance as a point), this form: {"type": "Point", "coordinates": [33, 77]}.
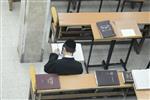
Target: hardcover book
{"type": "Point", "coordinates": [127, 77]}
{"type": "Point", "coordinates": [105, 28]}
{"type": "Point", "coordinates": [107, 78]}
{"type": "Point", "coordinates": [47, 81]}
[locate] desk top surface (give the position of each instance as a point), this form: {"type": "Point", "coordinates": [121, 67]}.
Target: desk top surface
{"type": "Point", "coordinates": [142, 94]}
{"type": "Point", "coordinates": [87, 18]}
{"type": "Point", "coordinates": [83, 82]}
{"type": "Point", "coordinates": [130, 19]}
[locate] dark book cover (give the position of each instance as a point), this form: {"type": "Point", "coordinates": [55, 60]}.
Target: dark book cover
{"type": "Point", "coordinates": [127, 77]}
{"type": "Point", "coordinates": [107, 78]}
{"type": "Point", "coordinates": [47, 81]}
{"type": "Point", "coordinates": [105, 28]}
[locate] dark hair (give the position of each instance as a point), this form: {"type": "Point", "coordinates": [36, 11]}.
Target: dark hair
{"type": "Point", "coordinates": [70, 45]}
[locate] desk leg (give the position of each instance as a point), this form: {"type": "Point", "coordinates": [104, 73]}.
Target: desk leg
{"type": "Point", "coordinates": [148, 65]}
{"type": "Point", "coordinates": [100, 5]}
{"type": "Point", "coordinates": [138, 46]}
{"type": "Point", "coordinates": [78, 6]}
{"type": "Point", "coordinates": [39, 96]}
{"type": "Point", "coordinates": [74, 2]}
{"type": "Point", "coordinates": [30, 93]}
{"type": "Point", "coordinates": [127, 57]}
{"type": "Point", "coordinates": [118, 6]}
{"type": "Point", "coordinates": [89, 57]}
{"type": "Point", "coordinates": [68, 8]}
{"type": "Point", "coordinates": [106, 64]}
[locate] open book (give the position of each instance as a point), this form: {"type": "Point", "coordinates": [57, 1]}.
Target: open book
{"type": "Point", "coordinates": [78, 55]}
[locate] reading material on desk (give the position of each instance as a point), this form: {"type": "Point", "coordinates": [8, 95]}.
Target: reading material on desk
{"type": "Point", "coordinates": [127, 77]}
{"type": "Point", "coordinates": [141, 78]}
{"type": "Point", "coordinates": [47, 81]}
{"type": "Point", "coordinates": [105, 28]}
{"type": "Point", "coordinates": [107, 78]}
{"type": "Point", "coordinates": [128, 32]}
{"type": "Point", "coordinates": [78, 55]}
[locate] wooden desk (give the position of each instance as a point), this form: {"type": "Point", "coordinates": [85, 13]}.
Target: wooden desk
{"type": "Point", "coordinates": [83, 82]}
{"type": "Point", "coordinates": [70, 19]}
{"type": "Point", "coordinates": [142, 94]}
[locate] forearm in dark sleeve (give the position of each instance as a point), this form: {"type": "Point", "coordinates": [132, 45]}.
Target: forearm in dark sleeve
{"type": "Point", "coordinates": [52, 60]}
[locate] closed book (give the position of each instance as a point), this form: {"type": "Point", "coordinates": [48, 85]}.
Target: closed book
{"type": "Point", "coordinates": [47, 81]}
{"type": "Point", "coordinates": [105, 29]}
{"type": "Point", "coordinates": [107, 78]}
{"type": "Point", "coordinates": [127, 77]}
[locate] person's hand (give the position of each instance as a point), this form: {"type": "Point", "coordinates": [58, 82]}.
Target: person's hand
{"type": "Point", "coordinates": [57, 51]}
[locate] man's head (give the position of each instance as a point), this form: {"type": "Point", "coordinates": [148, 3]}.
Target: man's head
{"type": "Point", "coordinates": [69, 46]}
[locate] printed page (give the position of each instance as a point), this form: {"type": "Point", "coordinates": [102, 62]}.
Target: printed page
{"type": "Point", "coordinates": [78, 55]}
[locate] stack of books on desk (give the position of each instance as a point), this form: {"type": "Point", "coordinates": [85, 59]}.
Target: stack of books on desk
{"type": "Point", "coordinates": [47, 81]}
{"type": "Point", "coordinates": [107, 78]}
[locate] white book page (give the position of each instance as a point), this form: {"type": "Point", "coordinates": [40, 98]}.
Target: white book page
{"type": "Point", "coordinates": [141, 78]}
{"type": "Point", "coordinates": [128, 32]}
{"type": "Point", "coordinates": [78, 55]}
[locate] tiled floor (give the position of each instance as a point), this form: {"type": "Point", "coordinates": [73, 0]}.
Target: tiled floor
{"type": "Point", "coordinates": [15, 75]}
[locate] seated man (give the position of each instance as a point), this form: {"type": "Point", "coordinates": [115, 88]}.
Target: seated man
{"type": "Point", "coordinates": [67, 65]}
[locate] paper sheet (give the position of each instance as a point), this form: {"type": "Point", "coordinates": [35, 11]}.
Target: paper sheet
{"type": "Point", "coordinates": [141, 78]}
{"type": "Point", "coordinates": [128, 32]}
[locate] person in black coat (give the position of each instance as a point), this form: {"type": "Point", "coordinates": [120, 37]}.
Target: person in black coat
{"type": "Point", "coordinates": [67, 65]}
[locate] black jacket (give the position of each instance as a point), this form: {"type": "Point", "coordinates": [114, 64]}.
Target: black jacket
{"type": "Point", "coordinates": [64, 66]}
